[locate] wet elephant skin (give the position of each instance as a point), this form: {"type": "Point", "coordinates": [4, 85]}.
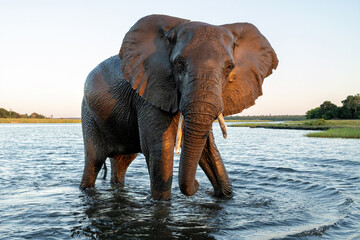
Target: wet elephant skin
{"type": "Point", "coordinates": [169, 67]}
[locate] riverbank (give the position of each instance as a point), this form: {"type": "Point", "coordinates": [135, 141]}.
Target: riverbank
{"type": "Point", "coordinates": [337, 133]}
{"type": "Point", "coordinates": [39, 120]}
{"type": "Point", "coordinates": [329, 128]}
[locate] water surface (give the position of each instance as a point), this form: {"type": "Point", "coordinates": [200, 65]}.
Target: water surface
{"type": "Point", "coordinates": [286, 186]}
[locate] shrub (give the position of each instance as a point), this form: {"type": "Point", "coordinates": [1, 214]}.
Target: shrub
{"type": "Point", "coordinates": [317, 122]}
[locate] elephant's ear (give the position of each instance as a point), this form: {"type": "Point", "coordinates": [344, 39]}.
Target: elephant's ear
{"type": "Point", "coordinates": [145, 60]}
{"type": "Point", "coordinates": [254, 60]}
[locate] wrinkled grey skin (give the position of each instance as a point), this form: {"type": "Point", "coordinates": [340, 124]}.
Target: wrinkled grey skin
{"type": "Point", "coordinates": [167, 66]}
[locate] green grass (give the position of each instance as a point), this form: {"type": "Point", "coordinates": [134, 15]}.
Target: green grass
{"type": "Point", "coordinates": [329, 123]}
{"type": "Point", "coordinates": [248, 124]}
{"type": "Point", "coordinates": [308, 124]}
{"type": "Point", "coordinates": [333, 128]}
{"type": "Point", "coordinates": [284, 125]}
{"type": "Point", "coordinates": [337, 133]}
{"type": "Point", "coordinates": [39, 120]}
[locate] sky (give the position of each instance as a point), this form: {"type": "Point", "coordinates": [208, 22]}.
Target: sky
{"type": "Point", "coordinates": [47, 48]}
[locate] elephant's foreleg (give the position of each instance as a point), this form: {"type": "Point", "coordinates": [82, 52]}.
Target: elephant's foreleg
{"type": "Point", "coordinates": [119, 165]}
{"type": "Point", "coordinates": [157, 136]}
{"type": "Point", "coordinates": [160, 159]}
{"type": "Point", "coordinates": [214, 168]}
{"type": "Point", "coordinates": [94, 160]}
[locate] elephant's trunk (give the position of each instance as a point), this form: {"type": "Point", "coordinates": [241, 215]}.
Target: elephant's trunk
{"type": "Point", "coordinates": [196, 131]}
{"type": "Point", "coordinates": [200, 105]}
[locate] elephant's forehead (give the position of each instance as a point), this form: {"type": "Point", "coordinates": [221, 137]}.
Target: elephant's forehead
{"type": "Point", "coordinates": [196, 35]}
{"type": "Point", "coordinates": [203, 31]}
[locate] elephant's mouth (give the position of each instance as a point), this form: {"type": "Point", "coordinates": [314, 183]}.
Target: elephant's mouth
{"type": "Point", "coordinates": [180, 130]}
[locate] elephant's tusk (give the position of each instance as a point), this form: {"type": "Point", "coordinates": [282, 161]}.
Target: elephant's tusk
{"type": "Point", "coordinates": [179, 134]}
{"type": "Point", "coordinates": [222, 125]}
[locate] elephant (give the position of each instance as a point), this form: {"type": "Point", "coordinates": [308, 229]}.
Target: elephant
{"type": "Point", "coordinates": [170, 81]}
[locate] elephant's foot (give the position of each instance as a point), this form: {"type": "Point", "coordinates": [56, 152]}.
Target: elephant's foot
{"type": "Point", "coordinates": [161, 195]}
{"type": "Point", "coordinates": [161, 189]}
{"type": "Point", "coordinates": [119, 165]}
{"type": "Point", "coordinates": [224, 191]}
{"type": "Point", "coordinates": [119, 184]}
{"type": "Point", "coordinates": [189, 189]}
{"type": "Point", "coordinates": [89, 177]}
{"type": "Point", "coordinates": [87, 182]}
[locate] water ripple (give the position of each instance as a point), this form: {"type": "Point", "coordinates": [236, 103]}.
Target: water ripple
{"type": "Point", "coordinates": [286, 186]}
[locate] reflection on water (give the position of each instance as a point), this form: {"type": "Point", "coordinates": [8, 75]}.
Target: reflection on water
{"type": "Point", "coordinates": [286, 186]}
{"type": "Point", "coordinates": [123, 214]}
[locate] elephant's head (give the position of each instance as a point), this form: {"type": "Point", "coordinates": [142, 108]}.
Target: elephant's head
{"type": "Point", "coordinates": [201, 70]}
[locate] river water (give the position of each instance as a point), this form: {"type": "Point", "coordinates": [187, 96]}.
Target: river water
{"type": "Point", "coordinates": [286, 186]}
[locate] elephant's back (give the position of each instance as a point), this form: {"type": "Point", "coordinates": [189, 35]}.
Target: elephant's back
{"type": "Point", "coordinates": [99, 87]}
{"type": "Point", "coordinates": [110, 101]}
{"type": "Point", "coordinates": [112, 65]}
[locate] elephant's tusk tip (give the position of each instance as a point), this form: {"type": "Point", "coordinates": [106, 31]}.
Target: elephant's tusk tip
{"type": "Point", "coordinates": [222, 125]}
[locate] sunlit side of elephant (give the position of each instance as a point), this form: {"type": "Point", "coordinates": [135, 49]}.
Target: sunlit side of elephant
{"type": "Point", "coordinates": [170, 67]}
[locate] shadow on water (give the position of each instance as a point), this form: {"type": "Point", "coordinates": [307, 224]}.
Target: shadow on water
{"type": "Point", "coordinates": [121, 214]}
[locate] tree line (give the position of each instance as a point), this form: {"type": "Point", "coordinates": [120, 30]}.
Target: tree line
{"type": "Point", "coordinates": [268, 117]}
{"type": "Point", "coordinates": [328, 110]}
{"type": "Point", "coordinates": [11, 114]}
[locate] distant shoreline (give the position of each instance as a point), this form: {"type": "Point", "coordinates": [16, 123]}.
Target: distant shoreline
{"type": "Point", "coordinates": [40, 120]}
{"type": "Point", "coordinates": [334, 128]}
{"type": "Point", "coordinates": [78, 120]}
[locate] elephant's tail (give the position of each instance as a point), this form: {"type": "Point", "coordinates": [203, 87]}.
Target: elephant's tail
{"type": "Point", "coordinates": [105, 170]}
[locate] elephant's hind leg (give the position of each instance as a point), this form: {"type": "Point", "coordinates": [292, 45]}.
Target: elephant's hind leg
{"type": "Point", "coordinates": [119, 165]}
{"type": "Point", "coordinates": [94, 160]}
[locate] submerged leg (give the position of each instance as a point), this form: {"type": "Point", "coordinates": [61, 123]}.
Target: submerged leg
{"type": "Point", "coordinates": [160, 156]}
{"type": "Point", "coordinates": [119, 165]}
{"type": "Point", "coordinates": [94, 160]}
{"type": "Point", "coordinates": [214, 168]}
{"type": "Point", "coordinates": [157, 138]}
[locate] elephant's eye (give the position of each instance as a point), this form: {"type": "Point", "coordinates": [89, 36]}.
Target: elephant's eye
{"type": "Point", "coordinates": [179, 64]}
{"type": "Point", "coordinates": [229, 66]}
